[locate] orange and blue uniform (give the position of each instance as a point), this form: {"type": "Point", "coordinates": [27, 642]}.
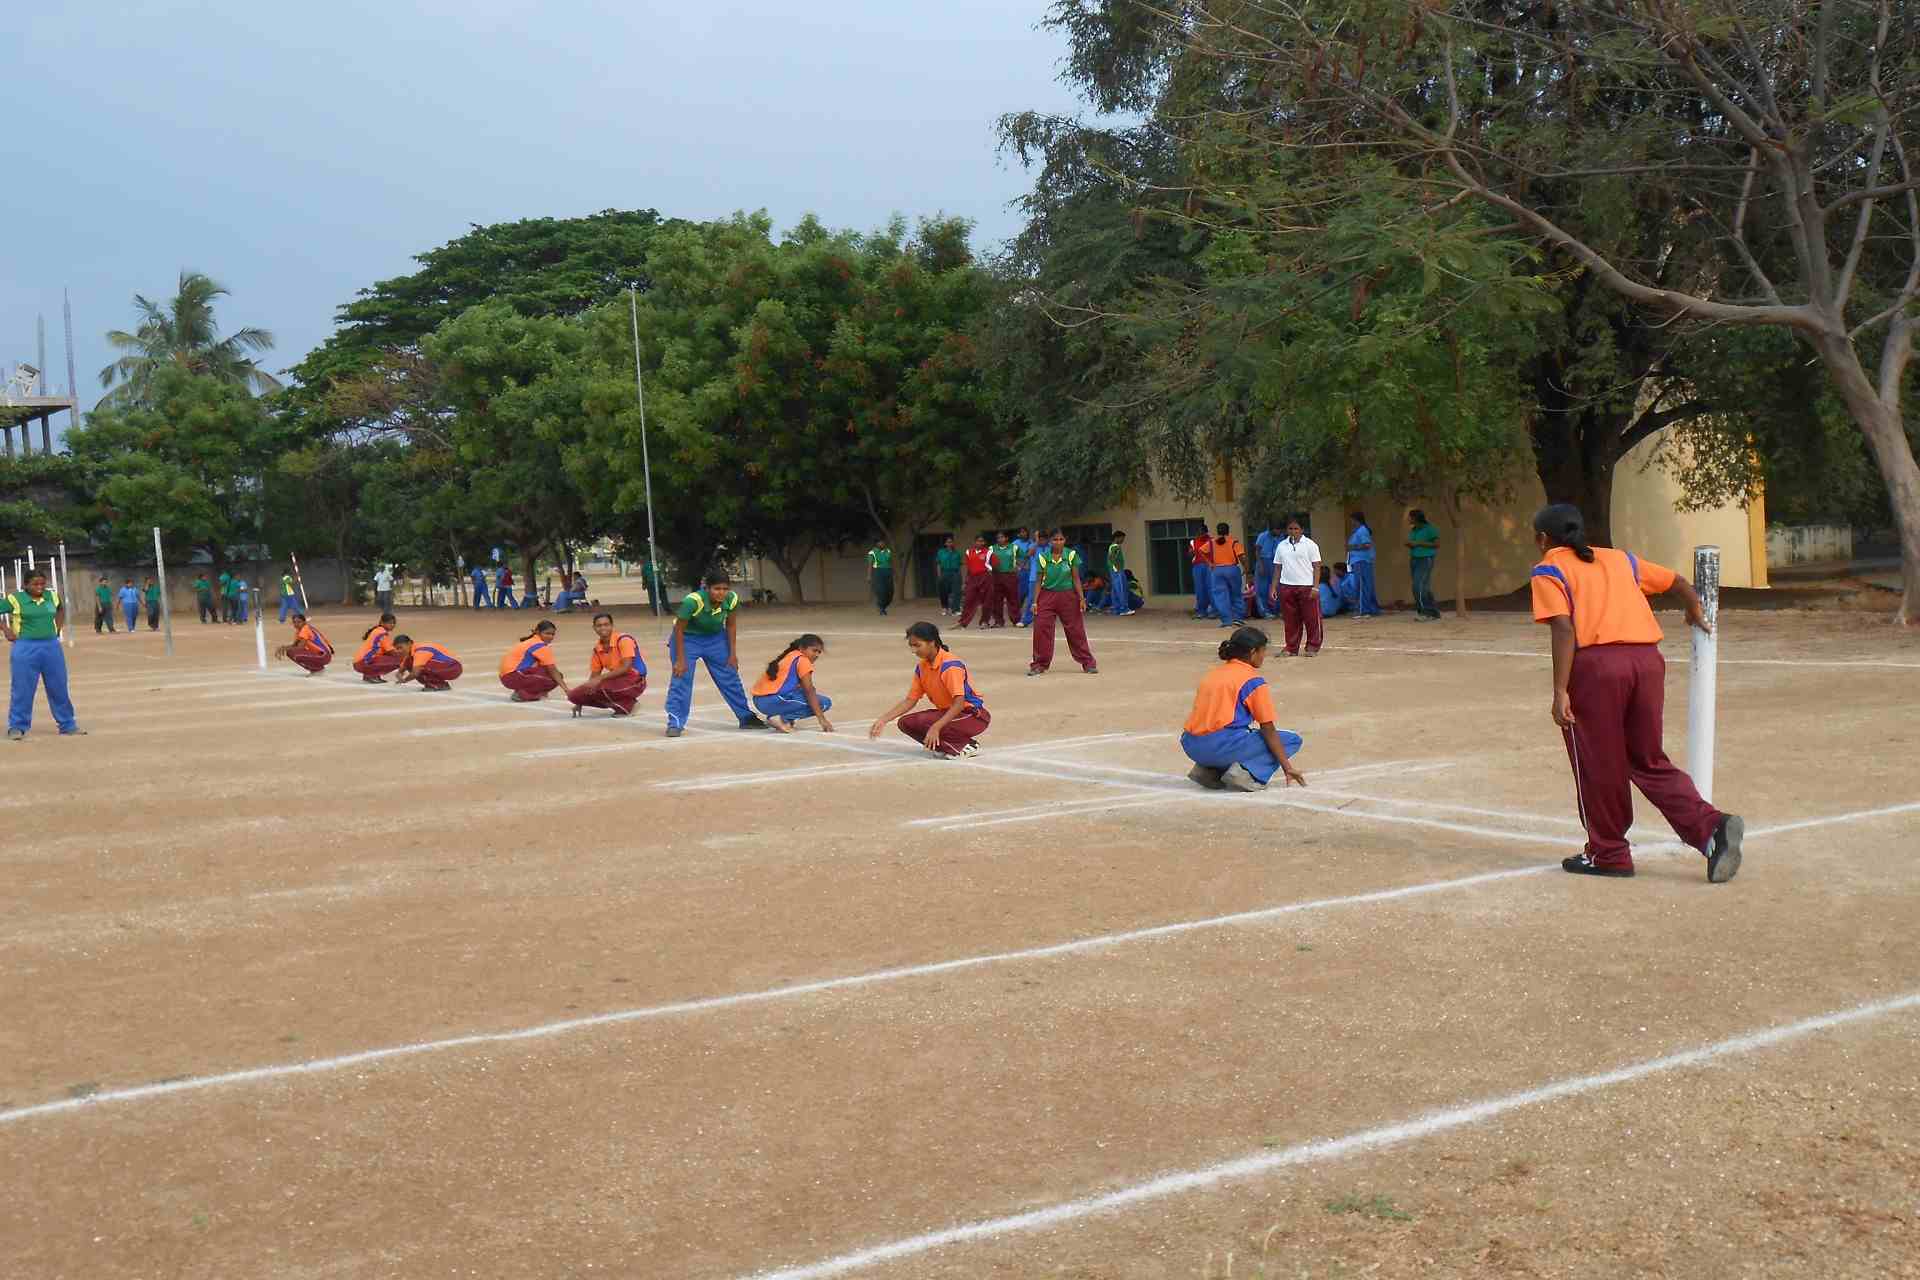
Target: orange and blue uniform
{"type": "Point", "coordinates": [943, 682]}
{"type": "Point", "coordinates": [310, 649]}
{"type": "Point", "coordinates": [1225, 580]}
{"type": "Point", "coordinates": [1618, 691]}
{"type": "Point", "coordinates": [434, 665]}
{"type": "Point", "coordinates": [528, 667]}
{"type": "Point", "coordinates": [618, 693]}
{"type": "Point", "coordinates": [780, 694]}
{"type": "Point", "coordinates": [1223, 729]}
{"type": "Point", "coordinates": [376, 656]}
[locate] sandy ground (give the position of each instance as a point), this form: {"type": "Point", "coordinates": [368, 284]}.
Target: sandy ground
{"type": "Point", "coordinates": [336, 980]}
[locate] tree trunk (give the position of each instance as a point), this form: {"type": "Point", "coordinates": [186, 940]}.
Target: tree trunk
{"type": "Point", "coordinates": [1452, 500]}
{"type": "Point", "coordinates": [340, 558]}
{"type": "Point", "coordinates": [790, 566]}
{"type": "Point", "coordinates": [1886, 435]}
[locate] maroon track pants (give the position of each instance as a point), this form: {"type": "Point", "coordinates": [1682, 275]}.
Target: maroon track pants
{"type": "Point", "coordinates": [618, 694]}
{"type": "Point", "coordinates": [1064, 605]}
{"type": "Point", "coordinates": [378, 664]}
{"type": "Point", "coordinates": [960, 730]}
{"type": "Point", "coordinates": [437, 674]}
{"type": "Point", "coordinates": [1300, 611]}
{"type": "Point", "coordinates": [1618, 693]}
{"type": "Point", "coordinates": [310, 659]}
{"type": "Point", "coordinates": [1006, 599]}
{"type": "Point", "coordinates": [979, 592]}
{"type": "Point", "coordinates": [536, 682]}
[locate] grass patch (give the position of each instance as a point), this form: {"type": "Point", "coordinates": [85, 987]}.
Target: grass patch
{"type": "Point", "coordinates": [1379, 1208]}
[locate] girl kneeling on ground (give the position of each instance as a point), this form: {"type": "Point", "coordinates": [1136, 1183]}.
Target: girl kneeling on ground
{"type": "Point", "coordinates": [433, 665]}
{"type": "Point", "coordinates": [1229, 733]}
{"type": "Point", "coordinates": [530, 669]}
{"type": "Point", "coordinates": [309, 650]}
{"type": "Point", "coordinates": [616, 675]}
{"type": "Point", "coordinates": [376, 657]}
{"type": "Point", "coordinates": [785, 695]}
{"type": "Point", "coordinates": [960, 714]}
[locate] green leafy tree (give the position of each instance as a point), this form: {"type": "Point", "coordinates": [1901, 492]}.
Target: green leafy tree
{"type": "Point", "coordinates": [183, 335]}
{"type": "Point", "coordinates": [42, 499]}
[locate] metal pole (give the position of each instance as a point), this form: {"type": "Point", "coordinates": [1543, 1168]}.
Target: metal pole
{"type": "Point", "coordinates": [66, 592]}
{"type": "Point", "coordinates": [259, 629]}
{"type": "Point", "coordinates": [298, 584]}
{"type": "Point", "coordinates": [646, 461]}
{"type": "Point", "coordinates": [1702, 691]}
{"type": "Point", "coordinates": [166, 607]}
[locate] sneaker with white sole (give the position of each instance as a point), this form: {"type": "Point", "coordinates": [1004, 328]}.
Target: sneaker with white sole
{"type": "Point", "coordinates": [1207, 776]}
{"type": "Point", "coordinates": [1723, 855]}
{"type": "Point", "coordinates": [970, 750]}
{"type": "Point", "coordinates": [1236, 778]}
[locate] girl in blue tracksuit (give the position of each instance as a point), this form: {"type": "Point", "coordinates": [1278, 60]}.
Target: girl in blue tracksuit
{"type": "Point", "coordinates": [705, 630]}
{"type": "Point", "coordinates": [1229, 734]}
{"type": "Point", "coordinates": [129, 597]}
{"type": "Point", "coordinates": [785, 695]}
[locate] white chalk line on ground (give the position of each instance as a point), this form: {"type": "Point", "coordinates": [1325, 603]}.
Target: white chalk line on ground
{"type": "Point", "coordinates": [1326, 1149]}
{"type": "Point", "coordinates": [771, 776]}
{"type": "Point", "coordinates": [709, 1004]}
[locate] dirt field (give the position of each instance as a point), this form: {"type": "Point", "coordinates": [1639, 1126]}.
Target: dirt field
{"type": "Point", "coordinates": [316, 979]}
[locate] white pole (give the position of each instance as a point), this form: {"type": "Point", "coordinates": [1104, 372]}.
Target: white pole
{"type": "Point", "coordinates": [259, 630]}
{"type": "Point", "coordinates": [646, 461]}
{"type": "Point", "coordinates": [1706, 672]}
{"type": "Point", "coordinates": [299, 584]}
{"type": "Point", "coordinates": [66, 592]}
{"type": "Point", "coordinates": [160, 572]}
{"type": "Point", "coordinates": [30, 563]}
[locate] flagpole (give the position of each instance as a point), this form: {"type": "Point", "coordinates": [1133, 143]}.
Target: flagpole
{"type": "Point", "coordinates": [646, 461]}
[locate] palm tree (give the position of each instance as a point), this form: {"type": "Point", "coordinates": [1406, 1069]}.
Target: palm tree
{"type": "Point", "coordinates": [183, 333]}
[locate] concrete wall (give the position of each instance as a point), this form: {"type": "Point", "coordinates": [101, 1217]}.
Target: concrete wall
{"type": "Point", "coordinates": [322, 580]}
{"type": "Point", "coordinates": [1808, 544]}
{"type": "Point", "coordinates": [1644, 520]}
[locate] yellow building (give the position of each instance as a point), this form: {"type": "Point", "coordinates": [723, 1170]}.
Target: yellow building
{"type": "Point", "coordinates": [1488, 551]}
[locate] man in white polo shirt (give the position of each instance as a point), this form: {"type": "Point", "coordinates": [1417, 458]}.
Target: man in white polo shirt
{"type": "Point", "coordinates": [1296, 575]}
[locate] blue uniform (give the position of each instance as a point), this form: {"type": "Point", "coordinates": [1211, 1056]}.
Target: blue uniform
{"type": "Point", "coordinates": [480, 600]}
{"type": "Point", "coordinates": [709, 647]}
{"type": "Point", "coordinates": [129, 598]}
{"type": "Point", "coordinates": [1239, 740]}
{"type": "Point", "coordinates": [1360, 565]}
{"type": "Point", "coordinates": [789, 700]}
{"type": "Point", "coordinates": [35, 662]}
{"type": "Point", "coordinates": [1263, 570]}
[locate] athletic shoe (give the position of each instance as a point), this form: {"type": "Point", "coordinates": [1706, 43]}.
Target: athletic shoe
{"type": "Point", "coordinates": [519, 697]}
{"type": "Point", "coordinates": [75, 732]}
{"type": "Point", "coordinates": [1236, 778]}
{"type": "Point", "coordinates": [1207, 776]}
{"type": "Point", "coordinates": [970, 750]}
{"type": "Point", "coordinates": [1093, 670]}
{"type": "Point", "coordinates": [373, 679]}
{"type": "Point", "coordinates": [674, 731]}
{"type": "Point", "coordinates": [16, 735]}
{"type": "Point", "coordinates": [1036, 671]}
{"type": "Point", "coordinates": [436, 688]}
{"type": "Point", "coordinates": [1723, 859]}
{"type": "Point", "coordinates": [1582, 865]}
{"type": "Point", "coordinates": [753, 722]}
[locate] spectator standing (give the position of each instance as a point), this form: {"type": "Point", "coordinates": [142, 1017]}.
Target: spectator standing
{"type": "Point", "coordinates": [1120, 599]}
{"type": "Point", "coordinates": [1263, 567]}
{"type": "Point", "coordinates": [203, 597]}
{"type": "Point", "coordinates": [226, 596]}
{"type": "Point", "coordinates": [880, 574]}
{"type": "Point", "coordinates": [978, 597]}
{"type": "Point", "coordinates": [129, 598]}
{"type": "Point", "coordinates": [480, 600]}
{"type": "Point", "coordinates": [103, 606]}
{"type": "Point", "coordinates": [239, 588]}
{"type": "Point", "coordinates": [947, 564]}
{"type": "Point", "coordinates": [152, 594]}
{"type": "Point", "coordinates": [503, 588]}
{"type": "Point", "coordinates": [1423, 548]}
{"type": "Point", "coordinates": [1224, 562]}
{"type": "Point", "coordinates": [1360, 561]}
{"type": "Point", "coordinates": [1296, 560]}
{"type": "Point", "coordinates": [1006, 582]}
{"type": "Point", "coordinates": [1202, 575]}
{"type": "Point", "coordinates": [383, 587]}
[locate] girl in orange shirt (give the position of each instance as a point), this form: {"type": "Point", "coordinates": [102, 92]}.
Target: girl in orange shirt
{"type": "Point", "coordinates": [530, 669]}
{"type": "Point", "coordinates": [959, 716]}
{"type": "Point", "coordinates": [785, 695]}
{"type": "Point", "coordinates": [376, 657]}
{"type": "Point", "coordinates": [1229, 734]}
{"type": "Point", "coordinates": [617, 674]}
{"type": "Point", "coordinates": [309, 649]}
{"type": "Point", "coordinates": [433, 665]}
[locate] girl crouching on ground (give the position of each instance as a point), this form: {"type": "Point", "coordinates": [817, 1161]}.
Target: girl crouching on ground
{"type": "Point", "coordinates": [530, 668]}
{"type": "Point", "coordinates": [785, 695]}
{"type": "Point", "coordinates": [309, 650]}
{"type": "Point", "coordinates": [1229, 733]}
{"type": "Point", "coordinates": [434, 666]}
{"type": "Point", "coordinates": [960, 714]}
{"type": "Point", "coordinates": [376, 657]}
{"type": "Point", "coordinates": [616, 673]}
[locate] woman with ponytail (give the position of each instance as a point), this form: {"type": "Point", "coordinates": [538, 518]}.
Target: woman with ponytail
{"type": "Point", "coordinates": [530, 669]}
{"type": "Point", "coordinates": [1229, 734]}
{"type": "Point", "coordinates": [376, 657]}
{"type": "Point", "coordinates": [785, 695]}
{"type": "Point", "coordinates": [959, 716]}
{"type": "Point", "coordinates": [1609, 693]}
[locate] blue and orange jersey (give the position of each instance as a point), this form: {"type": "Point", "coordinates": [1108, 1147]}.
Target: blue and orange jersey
{"type": "Point", "coordinates": [1606, 600]}
{"type": "Point", "coordinates": [786, 677]}
{"type": "Point", "coordinates": [1225, 553]}
{"type": "Point", "coordinates": [378, 640]}
{"type": "Point", "coordinates": [607, 656]}
{"type": "Point", "coordinates": [425, 652]}
{"type": "Point", "coordinates": [943, 680]}
{"type": "Point", "coordinates": [1231, 696]}
{"type": "Point", "coordinates": [309, 636]}
{"type": "Point", "coordinates": [528, 654]}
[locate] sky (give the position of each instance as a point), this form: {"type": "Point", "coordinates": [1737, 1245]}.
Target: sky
{"type": "Point", "coordinates": [297, 153]}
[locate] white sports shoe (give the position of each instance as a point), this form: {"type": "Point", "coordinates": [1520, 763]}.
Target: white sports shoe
{"type": "Point", "coordinates": [1236, 778]}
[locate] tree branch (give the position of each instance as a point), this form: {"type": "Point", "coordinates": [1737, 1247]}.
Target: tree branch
{"type": "Point", "coordinates": [1740, 228]}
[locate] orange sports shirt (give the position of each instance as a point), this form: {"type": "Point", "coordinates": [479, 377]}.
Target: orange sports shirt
{"type": "Point", "coordinates": [791, 669]}
{"type": "Point", "coordinates": [606, 657]}
{"type": "Point", "coordinates": [311, 638]}
{"type": "Point", "coordinates": [1231, 696]}
{"type": "Point", "coordinates": [526, 655]}
{"type": "Point", "coordinates": [1225, 553]}
{"type": "Point", "coordinates": [379, 640]}
{"type": "Point", "coordinates": [1607, 599]}
{"type": "Point", "coordinates": [941, 681]}
{"type": "Point", "coordinates": [425, 652]}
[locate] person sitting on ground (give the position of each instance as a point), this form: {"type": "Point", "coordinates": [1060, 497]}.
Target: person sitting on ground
{"type": "Point", "coordinates": [1328, 588]}
{"type": "Point", "coordinates": [1229, 734]}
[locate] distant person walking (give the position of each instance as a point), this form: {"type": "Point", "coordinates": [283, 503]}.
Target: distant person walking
{"type": "Point", "coordinates": [1423, 547]}
{"type": "Point", "coordinates": [947, 562]}
{"type": "Point", "coordinates": [383, 587]}
{"type": "Point", "coordinates": [1224, 558]}
{"type": "Point", "coordinates": [1360, 562]}
{"type": "Point", "coordinates": [480, 600]}
{"type": "Point", "coordinates": [31, 620]}
{"type": "Point", "coordinates": [880, 575]}
{"type": "Point", "coordinates": [978, 599]}
{"type": "Point", "coordinates": [1296, 560]}
{"type": "Point", "coordinates": [1202, 552]}
{"type": "Point", "coordinates": [1609, 696]}
{"type": "Point", "coordinates": [203, 598]}
{"type": "Point", "coordinates": [503, 589]}
{"type": "Point", "coordinates": [103, 606]}
{"type": "Point", "coordinates": [129, 598]}
{"type": "Point", "coordinates": [1120, 599]}
{"type": "Point", "coordinates": [152, 594]}
{"type": "Point", "coordinates": [1061, 595]}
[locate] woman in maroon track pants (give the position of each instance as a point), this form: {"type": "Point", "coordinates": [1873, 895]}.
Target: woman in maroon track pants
{"type": "Point", "coordinates": [1609, 693]}
{"type": "Point", "coordinates": [960, 714]}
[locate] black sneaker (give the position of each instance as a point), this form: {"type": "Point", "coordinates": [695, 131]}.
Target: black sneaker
{"type": "Point", "coordinates": [753, 722]}
{"type": "Point", "coordinates": [674, 731]}
{"type": "Point", "coordinates": [1207, 776]}
{"type": "Point", "coordinates": [1582, 865]}
{"type": "Point", "coordinates": [1723, 858]}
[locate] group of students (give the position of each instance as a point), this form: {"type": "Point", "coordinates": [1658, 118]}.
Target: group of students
{"type": "Point", "coordinates": [225, 598]}
{"type": "Point", "coordinates": [1608, 685]}
{"type": "Point", "coordinates": [130, 600]}
{"type": "Point", "coordinates": [999, 580]}
{"type": "Point", "coordinates": [1225, 593]}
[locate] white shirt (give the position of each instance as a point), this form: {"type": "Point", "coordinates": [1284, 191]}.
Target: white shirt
{"type": "Point", "coordinates": [1295, 560]}
{"type": "Point", "coordinates": [383, 580]}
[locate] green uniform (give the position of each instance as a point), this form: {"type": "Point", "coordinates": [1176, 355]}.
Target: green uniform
{"type": "Point", "coordinates": [1005, 558]}
{"type": "Point", "coordinates": [948, 560]}
{"type": "Point", "coordinates": [703, 617]}
{"type": "Point", "coordinates": [1116, 559]}
{"type": "Point", "coordinates": [1426, 541]}
{"type": "Point", "coordinates": [153, 597]}
{"type": "Point", "coordinates": [880, 558]}
{"type": "Point", "coordinates": [1057, 574]}
{"type": "Point", "coordinates": [286, 585]}
{"type": "Point", "coordinates": [33, 619]}
{"type": "Point", "coordinates": [202, 588]}
{"type": "Point", "coordinates": [103, 595]}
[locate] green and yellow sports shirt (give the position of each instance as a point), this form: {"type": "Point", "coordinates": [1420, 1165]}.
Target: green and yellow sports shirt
{"type": "Point", "coordinates": [1057, 574]}
{"type": "Point", "coordinates": [33, 619]}
{"type": "Point", "coordinates": [703, 617]}
{"type": "Point", "coordinates": [880, 558]}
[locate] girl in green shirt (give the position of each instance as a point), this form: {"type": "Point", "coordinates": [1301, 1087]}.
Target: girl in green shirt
{"type": "Point", "coordinates": [31, 621]}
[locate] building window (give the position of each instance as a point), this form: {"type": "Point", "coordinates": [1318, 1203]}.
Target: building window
{"type": "Point", "coordinates": [926, 567]}
{"type": "Point", "coordinates": [1091, 541]}
{"type": "Point", "coordinates": [1170, 555]}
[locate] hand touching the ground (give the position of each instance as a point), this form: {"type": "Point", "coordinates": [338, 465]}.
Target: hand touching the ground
{"type": "Point", "coordinates": [1293, 775]}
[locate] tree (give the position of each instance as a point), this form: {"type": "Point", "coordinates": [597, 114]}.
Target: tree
{"type": "Point", "coordinates": [41, 498]}
{"type": "Point", "coordinates": [1797, 155]}
{"type": "Point", "coordinates": [183, 335]}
